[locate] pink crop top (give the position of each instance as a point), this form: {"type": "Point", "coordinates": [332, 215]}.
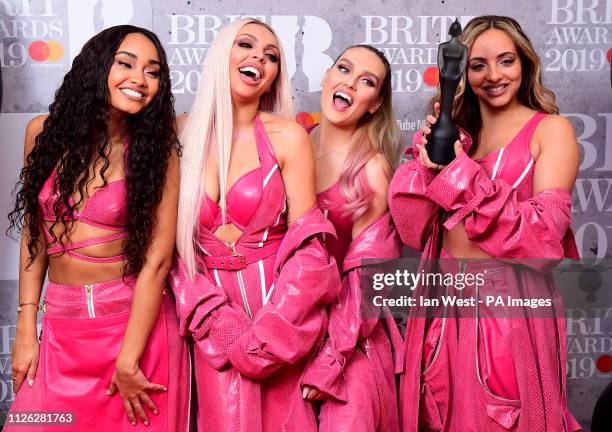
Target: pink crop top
{"type": "Point", "coordinates": [513, 162]}
{"type": "Point", "coordinates": [244, 197]}
{"type": "Point", "coordinates": [106, 208]}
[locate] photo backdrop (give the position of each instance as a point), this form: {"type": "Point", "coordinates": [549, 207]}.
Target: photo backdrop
{"type": "Point", "coordinates": [39, 39]}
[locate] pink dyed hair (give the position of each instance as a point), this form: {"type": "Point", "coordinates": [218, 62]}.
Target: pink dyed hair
{"type": "Point", "coordinates": [378, 133]}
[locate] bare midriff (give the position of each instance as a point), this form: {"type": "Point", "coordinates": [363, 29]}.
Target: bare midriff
{"type": "Point", "coordinates": [228, 233]}
{"type": "Point", "coordinates": [456, 243]}
{"type": "Point", "coordinates": [67, 270]}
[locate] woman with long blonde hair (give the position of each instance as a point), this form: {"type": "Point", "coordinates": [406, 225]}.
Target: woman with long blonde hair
{"type": "Point", "coordinates": [251, 274]}
{"type": "Point", "coordinates": [358, 146]}
{"type": "Point", "coordinates": [505, 197]}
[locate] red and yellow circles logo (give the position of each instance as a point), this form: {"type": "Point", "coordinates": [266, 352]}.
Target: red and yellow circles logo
{"type": "Point", "coordinates": [307, 118]}
{"type": "Point", "coordinates": [42, 51]}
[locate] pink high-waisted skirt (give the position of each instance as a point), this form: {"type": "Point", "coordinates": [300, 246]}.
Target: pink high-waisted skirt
{"type": "Point", "coordinates": [82, 331]}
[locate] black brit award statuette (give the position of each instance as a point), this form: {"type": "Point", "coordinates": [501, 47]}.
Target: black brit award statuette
{"type": "Point", "coordinates": [452, 58]}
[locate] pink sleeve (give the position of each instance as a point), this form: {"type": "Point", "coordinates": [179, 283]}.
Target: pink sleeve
{"type": "Point", "coordinates": [206, 313]}
{"type": "Point", "coordinates": [282, 332]}
{"type": "Point", "coordinates": [412, 211]}
{"type": "Point", "coordinates": [493, 216]}
{"type": "Point", "coordinates": [348, 324]}
{"type": "Point", "coordinates": [288, 326]}
{"type": "Point", "coordinates": [354, 315]}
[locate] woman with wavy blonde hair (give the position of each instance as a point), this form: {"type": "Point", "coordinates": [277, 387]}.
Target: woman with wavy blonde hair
{"type": "Point", "coordinates": [251, 274]}
{"type": "Point", "coordinates": [506, 197]}
{"type": "Point", "coordinates": [532, 92]}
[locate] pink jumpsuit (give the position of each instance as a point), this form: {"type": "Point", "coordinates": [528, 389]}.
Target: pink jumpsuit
{"type": "Point", "coordinates": [495, 373]}
{"type": "Point", "coordinates": [356, 364]}
{"type": "Point", "coordinates": [82, 331]}
{"type": "Point", "coordinates": [256, 309]}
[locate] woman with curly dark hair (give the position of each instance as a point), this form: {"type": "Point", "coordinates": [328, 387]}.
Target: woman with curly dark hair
{"type": "Point", "coordinates": [108, 324]}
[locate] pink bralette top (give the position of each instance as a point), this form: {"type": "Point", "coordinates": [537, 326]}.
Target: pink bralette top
{"type": "Point", "coordinates": [332, 203]}
{"type": "Point", "coordinates": [244, 197]}
{"type": "Point", "coordinates": [513, 163]}
{"type": "Point", "coordinates": [106, 208]}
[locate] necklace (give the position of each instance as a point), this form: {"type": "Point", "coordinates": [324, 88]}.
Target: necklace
{"type": "Point", "coordinates": [335, 150]}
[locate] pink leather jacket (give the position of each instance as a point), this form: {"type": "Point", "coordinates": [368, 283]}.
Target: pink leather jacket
{"type": "Point", "coordinates": [502, 224]}
{"type": "Point", "coordinates": [247, 364]}
{"type": "Point", "coordinates": [352, 320]}
{"type": "Point", "coordinates": [507, 223]}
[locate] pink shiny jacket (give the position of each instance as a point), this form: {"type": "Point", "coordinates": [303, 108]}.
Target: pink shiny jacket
{"type": "Point", "coordinates": [357, 363]}
{"type": "Point", "coordinates": [508, 223]}
{"type": "Point", "coordinates": [256, 314]}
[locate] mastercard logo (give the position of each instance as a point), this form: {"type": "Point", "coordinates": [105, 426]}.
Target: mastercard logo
{"type": "Point", "coordinates": [50, 50]}
{"type": "Point", "coordinates": [308, 119]}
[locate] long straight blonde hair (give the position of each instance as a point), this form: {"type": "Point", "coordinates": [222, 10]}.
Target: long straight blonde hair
{"type": "Point", "coordinates": [210, 123]}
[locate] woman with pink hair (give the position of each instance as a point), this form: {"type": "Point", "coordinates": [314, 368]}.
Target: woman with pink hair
{"type": "Point", "coordinates": [358, 145]}
{"type": "Point", "coordinates": [251, 276]}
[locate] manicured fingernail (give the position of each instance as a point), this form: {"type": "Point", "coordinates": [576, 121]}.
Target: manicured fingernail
{"type": "Point", "coordinates": [146, 423]}
{"type": "Point", "coordinates": [31, 383]}
{"type": "Point", "coordinates": [155, 412]}
{"type": "Point", "coordinates": [133, 423]}
{"type": "Point", "coordinates": [165, 389]}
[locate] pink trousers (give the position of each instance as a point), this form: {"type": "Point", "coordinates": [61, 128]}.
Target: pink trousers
{"type": "Point", "coordinates": [82, 331]}
{"type": "Point", "coordinates": [473, 360]}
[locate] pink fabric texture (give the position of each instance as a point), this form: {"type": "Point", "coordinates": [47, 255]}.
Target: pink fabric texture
{"type": "Point", "coordinates": [243, 198]}
{"type": "Point", "coordinates": [255, 327]}
{"type": "Point", "coordinates": [452, 389]}
{"type": "Point", "coordinates": [106, 208]}
{"type": "Point", "coordinates": [82, 331]}
{"type": "Point", "coordinates": [357, 363]}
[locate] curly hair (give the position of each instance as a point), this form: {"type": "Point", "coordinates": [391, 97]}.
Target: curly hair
{"type": "Point", "coordinates": [74, 135]}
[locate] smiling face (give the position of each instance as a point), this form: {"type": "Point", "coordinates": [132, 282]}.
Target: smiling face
{"type": "Point", "coordinates": [254, 62]}
{"type": "Point", "coordinates": [133, 79]}
{"type": "Point", "coordinates": [351, 87]}
{"type": "Point", "coordinates": [494, 69]}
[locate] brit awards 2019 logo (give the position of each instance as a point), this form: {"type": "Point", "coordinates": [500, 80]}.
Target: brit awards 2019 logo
{"type": "Point", "coordinates": [578, 43]}
{"type": "Point", "coordinates": [580, 36]}
{"type": "Point", "coordinates": [411, 46]}
{"type": "Point", "coordinates": [31, 33]}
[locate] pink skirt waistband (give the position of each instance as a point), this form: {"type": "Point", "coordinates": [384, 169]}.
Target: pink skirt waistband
{"type": "Point", "coordinates": [89, 300]}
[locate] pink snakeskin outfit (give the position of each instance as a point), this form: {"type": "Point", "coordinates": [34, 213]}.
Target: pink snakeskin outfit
{"type": "Point", "coordinates": [82, 331]}
{"type": "Point", "coordinates": [356, 364]}
{"type": "Point", "coordinates": [495, 373]}
{"type": "Point", "coordinates": [256, 308]}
